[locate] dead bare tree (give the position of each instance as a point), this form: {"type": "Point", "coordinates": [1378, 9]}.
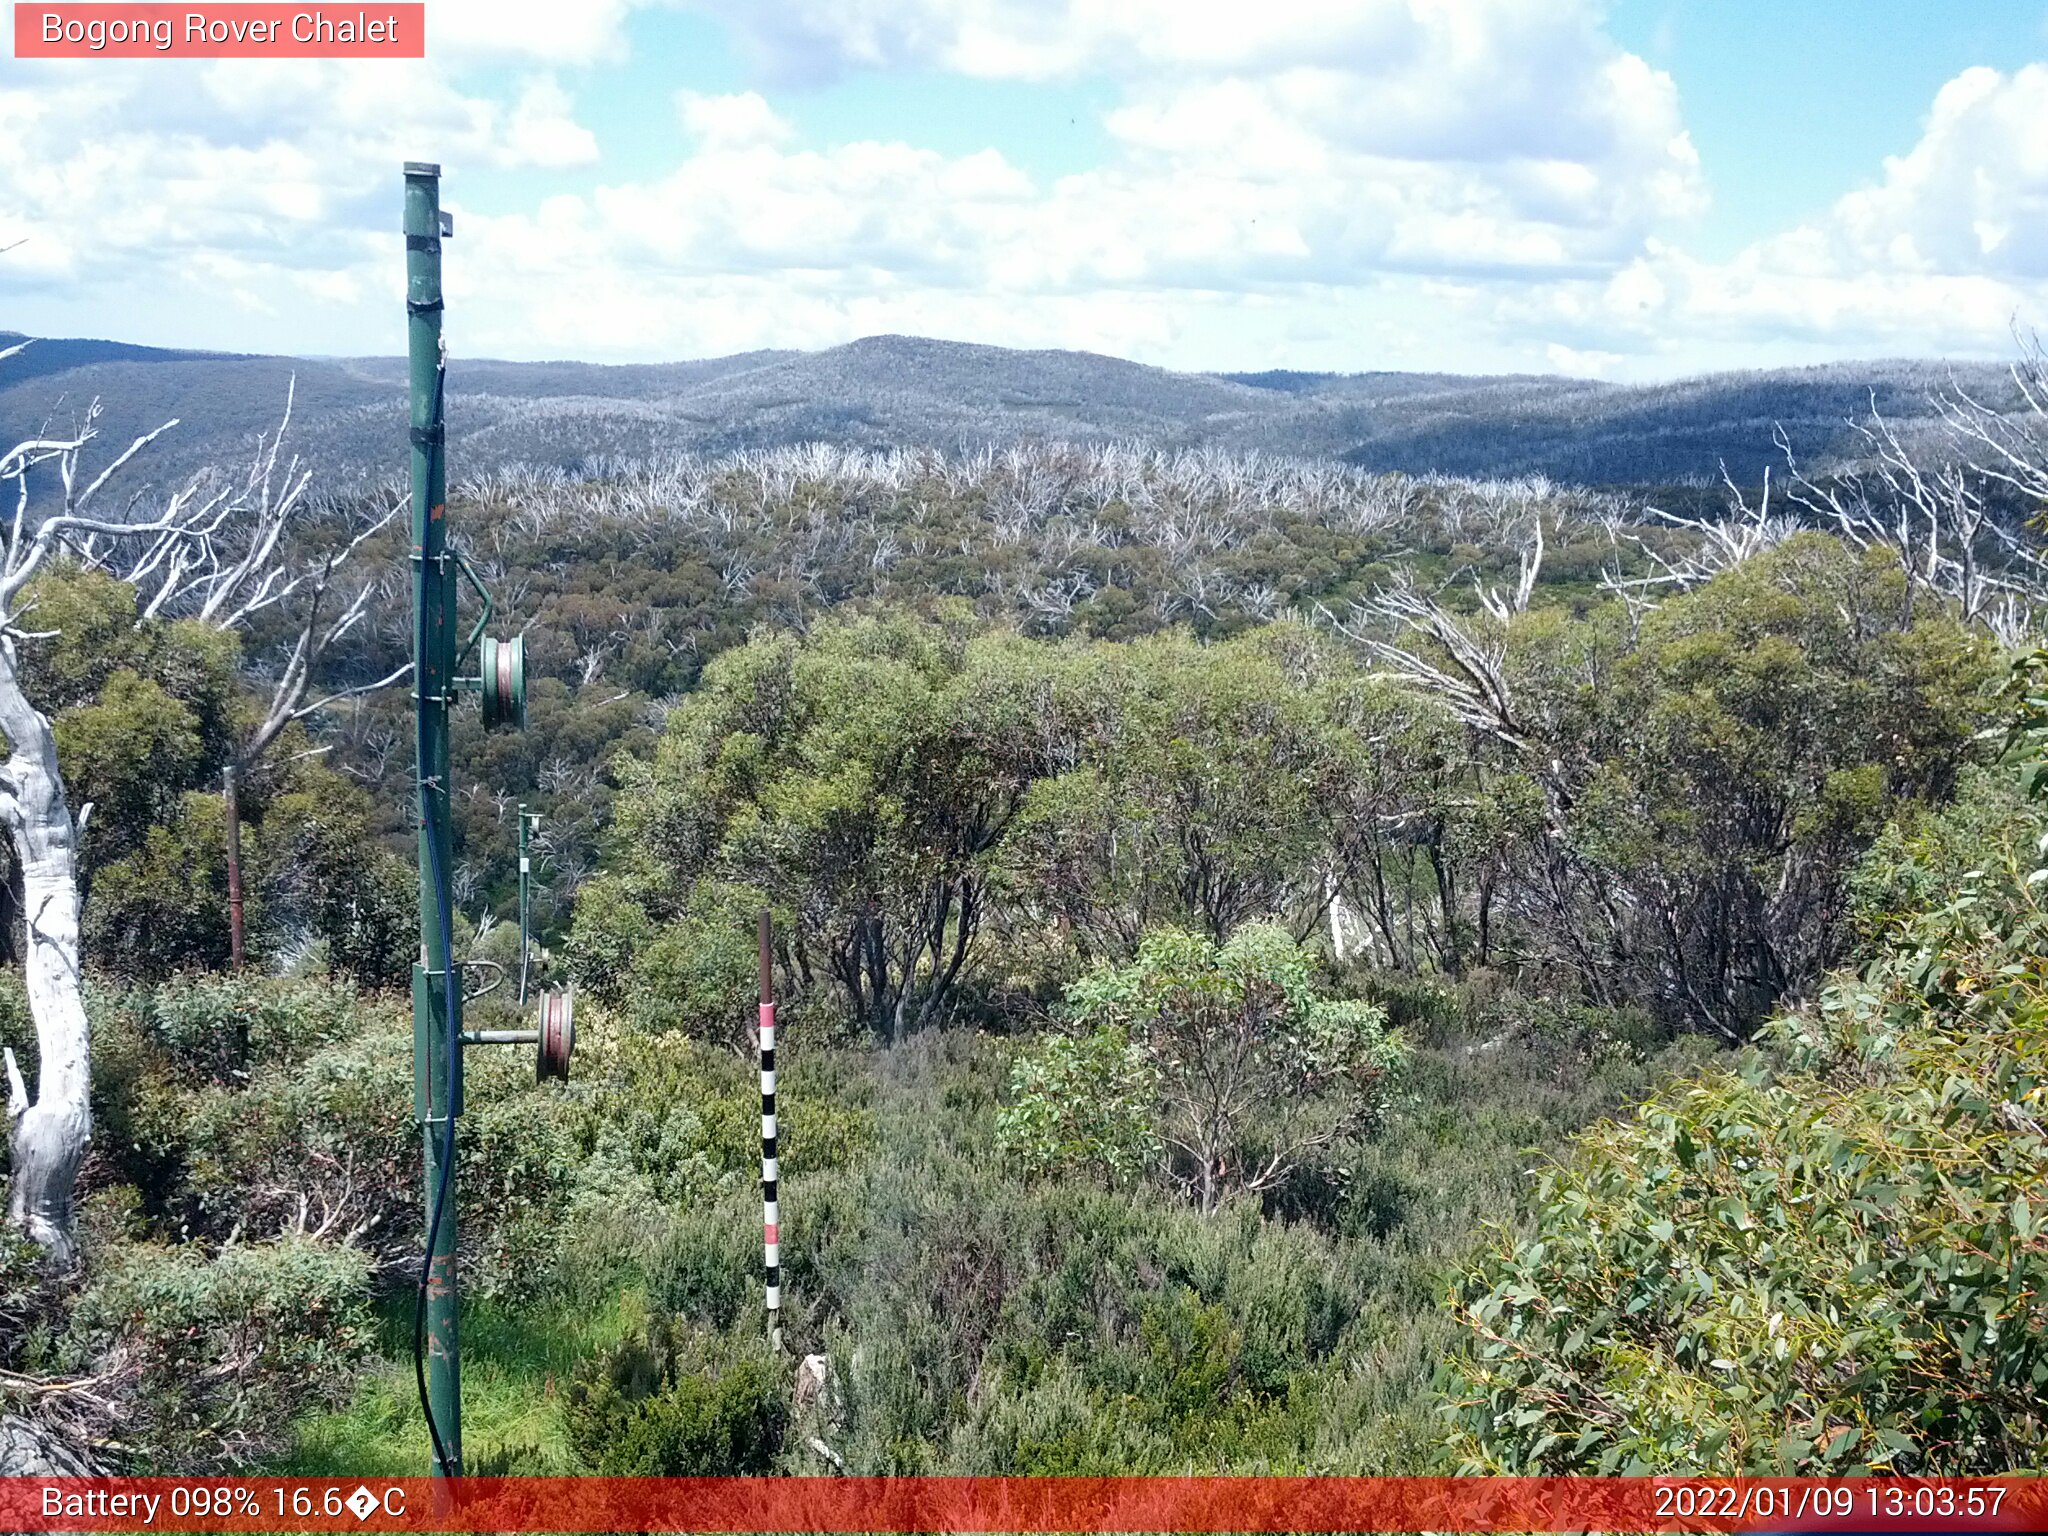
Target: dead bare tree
{"type": "Point", "coordinates": [1505, 605]}
{"type": "Point", "coordinates": [1932, 516]}
{"type": "Point", "coordinates": [1951, 516]}
{"type": "Point", "coordinates": [245, 565]}
{"type": "Point", "coordinates": [1422, 644]}
{"type": "Point", "coordinates": [1718, 544]}
{"type": "Point", "coordinates": [215, 550]}
{"type": "Point", "coordinates": [2008, 447]}
{"type": "Point", "coordinates": [49, 1130]}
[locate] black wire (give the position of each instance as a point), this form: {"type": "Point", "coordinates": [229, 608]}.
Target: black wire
{"type": "Point", "coordinates": [441, 1184]}
{"type": "Point", "coordinates": [444, 905]}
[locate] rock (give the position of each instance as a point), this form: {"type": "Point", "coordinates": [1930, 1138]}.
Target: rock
{"type": "Point", "coordinates": [814, 1388]}
{"type": "Point", "coordinates": [29, 1449]}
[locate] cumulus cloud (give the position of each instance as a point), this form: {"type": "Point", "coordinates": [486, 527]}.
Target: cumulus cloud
{"type": "Point", "coordinates": [1317, 183]}
{"type": "Point", "coordinates": [543, 32]}
{"type": "Point", "coordinates": [1938, 253]}
{"type": "Point", "coordinates": [1509, 133]}
{"type": "Point", "coordinates": [1301, 147]}
{"type": "Point", "coordinates": [1042, 39]}
{"type": "Point", "coordinates": [541, 130]}
{"type": "Point", "coordinates": [1971, 198]}
{"type": "Point", "coordinates": [740, 121]}
{"type": "Point", "coordinates": [244, 166]}
{"type": "Point", "coordinates": [1303, 144]}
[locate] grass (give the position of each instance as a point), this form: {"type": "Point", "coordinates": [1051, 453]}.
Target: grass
{"type": "Point", "coordinates": [513, 1362]}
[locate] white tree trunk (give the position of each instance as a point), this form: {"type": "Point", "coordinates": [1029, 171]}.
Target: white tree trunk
{"type": "Point", "coordinates": [1340, 918]}
{"type": "Point", "coordinates": [49, 1135]}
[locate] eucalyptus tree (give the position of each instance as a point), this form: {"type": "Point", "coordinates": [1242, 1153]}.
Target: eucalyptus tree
{"type": "Point", "coordinates": [1204, 790]}
{"type": "Point", "coordinates": [1697, 780]}
{"type": "Point", "coordinates": [863, 778]}
{"type": "Point", "coordinates": [1220, 1057]}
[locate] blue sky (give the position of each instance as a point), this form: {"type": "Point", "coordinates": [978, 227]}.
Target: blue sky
{"type": "Point", "coordinates": [1635, 189]}
{"type": "Point", "coordinates": [1793, 105]}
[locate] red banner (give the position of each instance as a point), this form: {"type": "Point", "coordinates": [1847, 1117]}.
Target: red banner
{"type": "Point", "coordinates": [372, 30]}
{"type": "Point", "coordinates": [1002, 1504]}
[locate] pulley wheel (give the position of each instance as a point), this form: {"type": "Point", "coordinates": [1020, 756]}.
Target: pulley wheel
{"type": "Point", "coordinates": [557, 1035]}
{"type": "Point", "coordinates": [504, 680]}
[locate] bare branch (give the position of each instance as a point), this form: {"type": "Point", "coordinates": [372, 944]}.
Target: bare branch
{"type": "Point", "coordinates": [112, 469]}
{"type": "Point", "coordinates": [1470, 680]}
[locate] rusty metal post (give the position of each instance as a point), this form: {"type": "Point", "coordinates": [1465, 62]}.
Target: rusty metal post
{"type": "Point", "coordinates": [231, 791]}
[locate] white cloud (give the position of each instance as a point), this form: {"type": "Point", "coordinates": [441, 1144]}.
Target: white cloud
{"type": "Point", "coordinates": [1301, 144]}
{"type": "Point", "coordinates": [1041, 39]}
{"type": "Point", "coordinates": [1487, 132]}
{"type": "Point", "coordinates": [254, 167]}
{"type": "Point", "coordinates": [1304, 146]}
{"type": "Point", "coordinates": [1938, 254]}
{"type": "Point", "coordinates": [1317, 183]}
{"type": "Point", "coordinates": [544, 32]}
{"type": "Point", "coordinates": [739, 121]}
{"type": "Point", "coordinates": [542, 131]}
{"type": "Point", "coordinates": [1585, 365]}
{"type": "Point", "coordinates": [1971, 197]}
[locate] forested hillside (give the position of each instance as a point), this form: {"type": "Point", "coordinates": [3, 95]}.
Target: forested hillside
{"type": "Point", "coordinates": [1199, 880]}
{"type": "Point", "coordinates": [895, 392]}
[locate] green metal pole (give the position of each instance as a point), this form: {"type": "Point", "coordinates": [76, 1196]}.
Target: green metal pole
{"type": "Point", "coordinates": [436, 1070]}
{"type": "Point", "coordinates": [525, 865]}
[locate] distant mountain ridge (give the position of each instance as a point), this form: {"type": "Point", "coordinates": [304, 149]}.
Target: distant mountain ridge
{"type": "Point", "coordinates": [896, 391]}
{"type": "Point", "coordinates": [59, 355]}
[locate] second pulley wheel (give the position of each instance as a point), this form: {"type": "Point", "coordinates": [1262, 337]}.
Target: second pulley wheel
{"type": "Point", "coordinates": [557, 1035]}
{"type": "Point", "coordinates": [504, 682]}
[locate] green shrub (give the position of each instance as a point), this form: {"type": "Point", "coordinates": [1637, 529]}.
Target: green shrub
{"type": "Point", "coordinates": [162, 907]}
{"type": "Point", "coordinates": [31, 1303]}
{"type": "Point", "coordinates": [321, 873]}
{"type": "Point", "coordinates": [1829, 1260]}
{"type": "Point", "coordinates": [216, 1352]}
{"type": "Point", "coordinates": [252, 1106]}
{"type": "Point", "coordinates": [673, 1403]}
{"type": "Point", "coordinates": [1251, 1072]}
{"type": "Point", "coordinates": [1429, 1009]}
{"type": "Point", "coordinates": [1923, 854]}
{"type": "Point", "coordinates": [523, 1174]}
{"type": "Point", "coordinates": [323, 1143]}
{"type": "Point", "coordinates": [709, 1268]}
{"type": "Point", "coordinates": [611, 928]}
{"type": "Point", "coordinates": [1082, 1103]}
{"type": "Point", "coordinates": [1574, 1036]}
{"type": "Point", "coordinates": [700, 974]}
{"type": "Point", "coordinates": [217, 1028]}
{"type": "Point", "coordinates": [686, 1116]}
{"type": "Point", "coordinates": [979, 1324]}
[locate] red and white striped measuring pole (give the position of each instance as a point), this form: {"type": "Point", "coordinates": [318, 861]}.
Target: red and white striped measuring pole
{"type": "Point", "coordinates": [771, 1220]}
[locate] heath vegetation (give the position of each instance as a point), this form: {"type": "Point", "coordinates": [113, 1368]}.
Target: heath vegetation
{"type": "Point", "coordinates": [1283, 968]}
